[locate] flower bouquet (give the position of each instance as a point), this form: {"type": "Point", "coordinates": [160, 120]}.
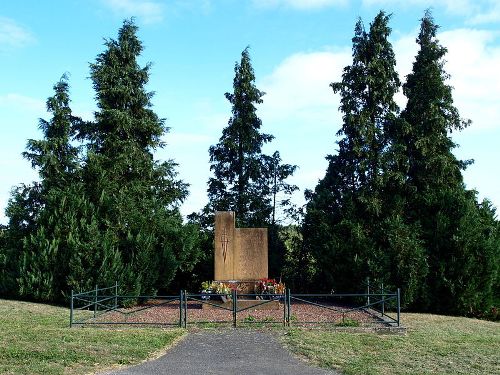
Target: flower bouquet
{"type": "Point", "coordinates": [218, 288]}
{"type": "Point", "coordinates": [267, 287]}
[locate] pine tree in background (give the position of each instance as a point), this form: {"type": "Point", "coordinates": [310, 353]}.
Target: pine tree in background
{"type": "Point", "coordinates": [241, 177]}
{"type": "Point", "coordinates": [246, 180]}
{"type": "Point", "coordinates": [112, 216]}
{"type": "Point", "coordinates": [341, 224]}
{"type": "Point", "coordinates": [459, 235]}
{"type": "Point", "coordinates": [137, 199]}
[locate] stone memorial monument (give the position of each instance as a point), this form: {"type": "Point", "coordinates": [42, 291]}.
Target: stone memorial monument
{"type": "Point", "coordinates": [241, 254]}
{"type": "Point", "coordinates": [240, 260]}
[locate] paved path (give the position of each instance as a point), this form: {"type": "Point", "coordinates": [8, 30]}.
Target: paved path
{"type": "Point", "coordinates": [226, 353]}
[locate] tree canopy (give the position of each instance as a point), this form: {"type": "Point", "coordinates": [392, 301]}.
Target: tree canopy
{"type": "Point", "coordinates": [246, 180]}
{"type": "Point", "coordinates": [111, 212]}
{"type": "Point", "coordinates": [392, 205]}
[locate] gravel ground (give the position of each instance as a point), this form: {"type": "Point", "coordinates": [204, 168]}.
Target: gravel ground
{"type": "Point", "coordinates": [226, 353]}
{"type": "Point", "coordinates": [154, 312]}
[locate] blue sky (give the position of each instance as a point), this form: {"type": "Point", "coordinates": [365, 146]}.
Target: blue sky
{"type": "Point", "coordinates": [297, 47]}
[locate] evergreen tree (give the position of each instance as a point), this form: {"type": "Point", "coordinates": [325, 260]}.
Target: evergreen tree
{"type": "Point", "coordinates": [8, 265]}
{"type": "Point", "coordinates": [38, 225]}
{"type": "Point", "coordinates": [245, 180]}
{"type": "Point", "coordinates": [351, 227]}
{"type": "Point", "coordinates": [241, 177]}
{"type": "Point", "coordinates": [458, 234]}
{"type": "Point", "coordinates": [144, 241]}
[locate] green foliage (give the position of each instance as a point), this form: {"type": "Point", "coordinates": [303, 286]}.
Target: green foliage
{"type": "Point", "coordinates": [110, 213]}
{"type": "Point", "coordinates": [353, 226]}
{"type": "Point", "coordinates": [39, 225]}
{"type": "Point", "coordinates": [143, 241]}
{"type": "Point", "coordinates": [392, 204]}
{"type": "Point", "coordinates": [245, 180]}
{"type": "Point", "coordinates": [8, 265]}
{"type": "Point", "coordinates": [348, 322]}
{"type": "Point", "coordinates": [460, 235]}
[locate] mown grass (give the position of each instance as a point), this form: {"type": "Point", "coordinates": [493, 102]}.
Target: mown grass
{"type": "Point", "coordinates": [36, 339]}
{"type": "Point", "coordinates": [433, 345]}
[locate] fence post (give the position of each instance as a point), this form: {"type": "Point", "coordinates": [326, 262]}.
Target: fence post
{"type": "Point", "coordinates": [71, 311]}
{"type": "Point", "coordinates": [234, 307]}
{"type": "Point", "coordinates": [116, 295]}
{"type": "Point", "coordinates": [399, 305]}
{"type": "Point", "coordinates": [180, 308]}
{"type": "Point", "coordinates": [185, 308]}
{"type": "Point", "coordinates": [284, 308]}
{"type": "Point", "coordinates": [368, 290]}
{"type": "Point", "coordinates": [289, 307]}
{"type": "Point", "coordinates": [383, 300]}
{"type": "Point", "coordinates": [95, 302]}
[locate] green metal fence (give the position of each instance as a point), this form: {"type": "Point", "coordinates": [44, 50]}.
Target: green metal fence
{"type": "Point", "coordinates": [104, 306]}
{"type": "Point", "coordinates": [332, 303]}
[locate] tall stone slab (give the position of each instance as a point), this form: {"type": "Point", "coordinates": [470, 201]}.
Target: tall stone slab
{"type": "Point", "coordinates": [250, 254]}
{"type": "Point", "coordinates": [240, 253]}
{"type": "Point", "coordinates": [224, 245]}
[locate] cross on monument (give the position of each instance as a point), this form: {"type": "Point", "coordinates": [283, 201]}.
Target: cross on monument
{"type": "Point", "coordinates": [225, 241]}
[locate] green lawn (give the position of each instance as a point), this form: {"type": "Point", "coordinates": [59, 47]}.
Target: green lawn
{"type": "Point", "coordinates": [433, 345]}
{"type": "Point", "coordinates": [36, 339]}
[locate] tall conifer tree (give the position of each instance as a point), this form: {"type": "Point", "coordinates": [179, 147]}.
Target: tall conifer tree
{"type": "Point", "coordinates": [459, 235]}
{"type": "Point", "coordinates": [39, 224]}
{"type": "Point", "coordinates": [246, 180]}
{"type": "Point", "coordinates": [240, 181]}
{"type": "Point", "coordinates": [348, 223]}
{"type": "Point", "coordinates": [144, 240]}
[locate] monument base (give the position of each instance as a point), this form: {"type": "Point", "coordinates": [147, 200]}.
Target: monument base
{"type": "Point", "coordinates": [243, 286]}
{"type": "Point", "coordinates": [256, 304]}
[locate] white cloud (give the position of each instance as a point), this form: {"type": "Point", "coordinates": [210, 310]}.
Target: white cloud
{"type": "Point", "coordinates": [12, 34]}
{"type": "Point", "coordinates": [22, 102]}
{"type": "Point", "coordinates": [299, 86]}
{"type": "Point", "coordinates": [475, 11]}
{"type": "Point", "coordinates": [452, 6]}
{"type": "Point", "coordinates": [298, 4]}
{"type": "Point", "coordinates": [405, 48]}
{"type": "Point", "coordinates": [299, 104]}
{"type": "Point", "coordinates": [472, 61]}
{"type": "Point", "coordinates": [302, 111]}
{"type": "Point", "coordinates": [490, 15]}
{"type": "Point", "coordinates": [148, 11]}
{"type": "Point", "coordinates": [297, 90]}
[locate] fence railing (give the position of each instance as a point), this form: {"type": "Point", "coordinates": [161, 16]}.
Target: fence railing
{"type": "Point", "coordinates": [102, 306]}
{"type": "Point", "coordinates": [376, 307]}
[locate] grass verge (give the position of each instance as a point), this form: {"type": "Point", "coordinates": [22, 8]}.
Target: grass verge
{"type": "Point", "coordinates": [433, 345]}
{"type": "Point", "coordinates": [36, 339]}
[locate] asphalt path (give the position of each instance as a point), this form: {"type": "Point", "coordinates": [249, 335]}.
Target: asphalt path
{"type": "Point", "coordinates": [231, 352]}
